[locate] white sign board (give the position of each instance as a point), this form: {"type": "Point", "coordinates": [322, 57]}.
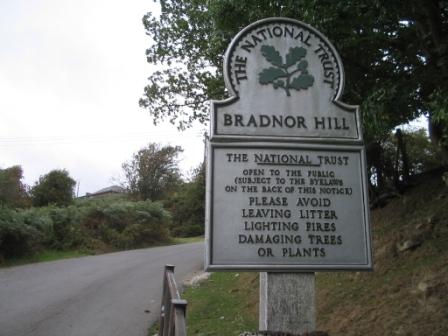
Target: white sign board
{"type": "Point", "coordinates": [286, 182]}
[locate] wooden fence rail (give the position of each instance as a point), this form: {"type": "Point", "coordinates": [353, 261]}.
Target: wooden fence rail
{"type": "Point", "coordinates": [173, 309]}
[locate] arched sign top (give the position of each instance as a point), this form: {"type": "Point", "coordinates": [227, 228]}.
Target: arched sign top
{"type": "Point", "coordinates": [285, 80]}
{"type": "Point", "coordinates": [289, 46]}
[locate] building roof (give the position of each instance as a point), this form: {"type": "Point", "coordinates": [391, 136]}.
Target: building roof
{"type": "Point", "coordinates": [111, 190]}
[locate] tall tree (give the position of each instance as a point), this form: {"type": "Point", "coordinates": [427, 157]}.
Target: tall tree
{"type": "Point", "coordinates": [56, 187]}
{"type": "Point", "coordinates": [153, 171]}
{"type": "Point", "coordinates": [12, 190]}
{"type": "Point", "coordinates": [394, 52]}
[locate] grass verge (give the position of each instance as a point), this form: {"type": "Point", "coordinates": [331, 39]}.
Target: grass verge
{"type": "Point", "coordinates": [188, 240]}
{"type": "Point", "coordinates": [52, 255]}
{"type": "Point", "coordinates": [46, 255]}
{"type": "Point", "coordinates": [225, 304]}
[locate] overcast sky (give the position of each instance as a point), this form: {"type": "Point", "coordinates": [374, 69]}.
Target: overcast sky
{"type": "Point", "coordinates": [71, 74]}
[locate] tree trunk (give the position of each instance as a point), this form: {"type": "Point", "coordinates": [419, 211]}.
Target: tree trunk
{"type": "Point", "coordinates": [436, 131]}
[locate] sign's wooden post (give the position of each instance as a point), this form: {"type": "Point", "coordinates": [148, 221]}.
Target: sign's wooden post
{"type": "Point", "coordinates": [287, 302]}
{"type": "Point", "coordinates": [286, 174]}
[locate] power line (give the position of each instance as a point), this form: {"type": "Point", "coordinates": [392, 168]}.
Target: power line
{"type": "Point", "coordinates": [97, 138]}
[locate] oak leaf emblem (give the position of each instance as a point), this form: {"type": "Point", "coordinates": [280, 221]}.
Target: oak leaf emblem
{"type": "Point", "coordinates": [289, 74]}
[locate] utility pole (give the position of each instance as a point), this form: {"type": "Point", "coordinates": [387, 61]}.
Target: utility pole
{"type": "Point", "coordinates": [77, 188]}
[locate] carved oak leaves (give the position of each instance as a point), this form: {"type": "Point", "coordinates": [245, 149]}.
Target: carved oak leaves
{"type": "Point", "coordinates": [284, 74]}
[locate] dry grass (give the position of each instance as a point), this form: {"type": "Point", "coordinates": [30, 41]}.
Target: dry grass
{"type": "Point", "coordinates": [407, 294]}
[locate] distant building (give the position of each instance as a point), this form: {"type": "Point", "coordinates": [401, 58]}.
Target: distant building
{"type": "Point", "coordinates": [113, 190]}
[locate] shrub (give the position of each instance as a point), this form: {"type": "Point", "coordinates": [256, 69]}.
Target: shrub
{"type": "Point", "coordinates": [66, 228]}
{"type": "Point", "coordinates": [126, 224]}
{"type": "Point", "coordinates": [16, 238]}
{"type": "Point", "coordinates": [40, 219]}
{"type": "Point", "coordinates": [99, 225]}
{"type": "Point", "coordinates": [188, 208]}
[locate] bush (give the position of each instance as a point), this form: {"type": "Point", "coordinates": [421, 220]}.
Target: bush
{"type": "Point", "coordinates": [188, 208]}
{"type": "Point", "coordinates": [16, 238]}
{"type": "Point", "coordinates": [98, 225]}
{"type": "Point", "coordinates": [127, 224]}
{"type": "Point", "coordinates": [66, 228]}
{"type": "Point", "coordinates": [40, 219]}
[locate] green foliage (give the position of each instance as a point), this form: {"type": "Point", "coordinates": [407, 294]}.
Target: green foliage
{"type": "Point", "coordinates": [97, 225]}
{"type": "Point", "coordinates": [153, 171]}
{"type": "Point", "coordinates": [16, 238]}
{"type": "Point", "coordinates": [66, 229]}
{"type": "Point", "coordinates": [439, 119]}
{"type": "Point", "coordinates": [188, 207]}
{"type": "Point", "coordinates": [394, 55]}
{"type": "Point", "coordinates": [127, 224]}
{"type": "Point", "coordinates": [41, 220]}
{"type": "Point", "coordinates": [12, 190]}
{"type": "Point", "coordinates": [439, 106]}
{"type": "Point", "coordinates": [422, 155]}
{"type": "Point", "coordinates": [188, 54]}
{"type": "Point", "coordinates": [56, 187]}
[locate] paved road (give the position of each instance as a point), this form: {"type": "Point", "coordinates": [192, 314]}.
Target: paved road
{"type": "Point", "coordinates": [103, 295]}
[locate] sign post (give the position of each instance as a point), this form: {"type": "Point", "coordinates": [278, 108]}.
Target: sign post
{"type": "Point", "coordinates": [286, 175]}
{"type": "Point", "coordinates": [287, 303]}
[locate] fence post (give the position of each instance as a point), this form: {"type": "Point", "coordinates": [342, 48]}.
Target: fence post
{"type": "Point", "coordinates": [180, 307]}
{"type": "Point", "coordinates": [173, 308]}
{"type": "Point", "coordinates": [165, 306]}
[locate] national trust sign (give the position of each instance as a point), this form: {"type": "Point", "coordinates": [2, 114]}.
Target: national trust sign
{"type": "Point", "coordinates": [286, 175]}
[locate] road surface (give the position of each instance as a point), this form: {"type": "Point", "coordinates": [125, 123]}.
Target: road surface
{"type": "Point", "coordinates": [105, 295]}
